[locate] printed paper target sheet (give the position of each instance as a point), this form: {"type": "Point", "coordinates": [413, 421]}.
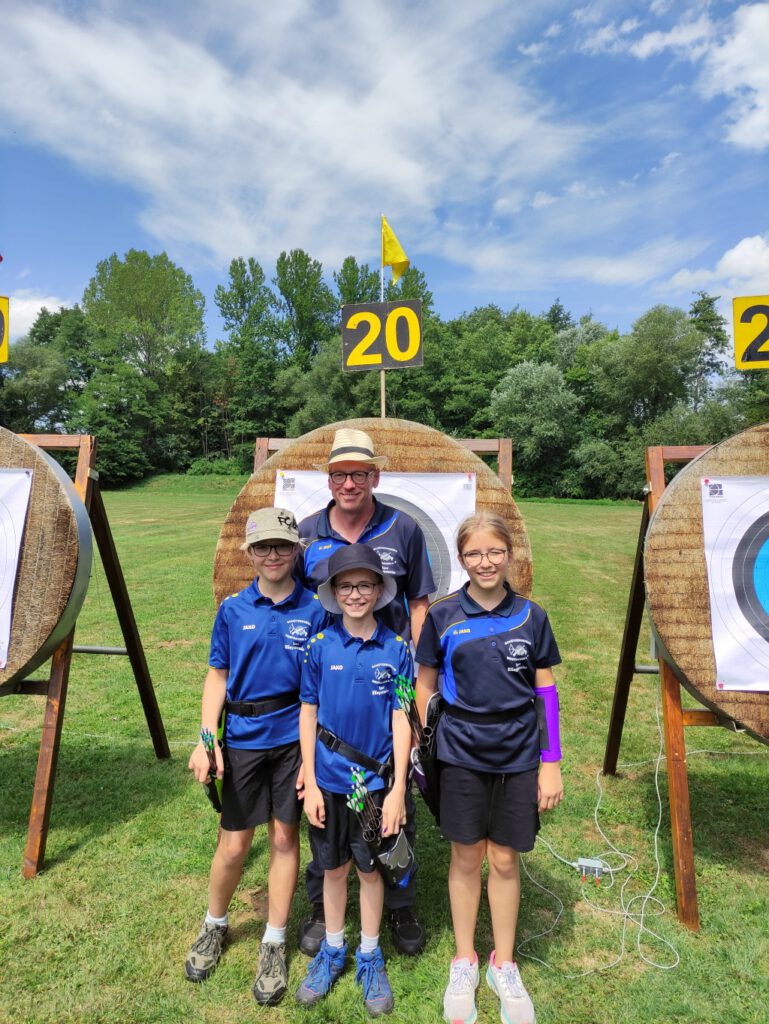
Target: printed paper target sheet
{"type": "Point", "coordinates": [437, 501]}
{"type": "Point", "coordinates": [15, 487]}
{"type": "Point", "coordinates": [735, 520]}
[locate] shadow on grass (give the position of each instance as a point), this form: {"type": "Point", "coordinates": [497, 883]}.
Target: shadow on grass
{"type": "Point", "coordinates": [729, 806]}
{"type": "Point", "coordinates": [97, 786]}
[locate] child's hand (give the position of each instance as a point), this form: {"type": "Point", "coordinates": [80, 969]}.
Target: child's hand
{"type": "Point", "coordinates": [549, 786]}
{"type": "Point", "coordinates": [299, 785]}
{"type": "Point", "coordinates": [393, 813]}
{"type": "Point", "coordinates": [200, 766]}
{"type": "Point", "coordinates": [314, 807]}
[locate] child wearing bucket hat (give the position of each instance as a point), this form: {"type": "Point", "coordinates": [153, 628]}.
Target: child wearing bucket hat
{"type": "Point", "coordinates": [350, 721]}
{"type": "Point", "coordinates": [254, 671]}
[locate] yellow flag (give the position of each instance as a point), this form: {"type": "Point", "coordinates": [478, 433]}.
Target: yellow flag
{"type": "Point", "coordinates": [392, 251]}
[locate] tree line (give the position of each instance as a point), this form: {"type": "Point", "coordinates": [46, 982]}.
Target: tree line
{"type": "Point", "coordinates": [130, 363]}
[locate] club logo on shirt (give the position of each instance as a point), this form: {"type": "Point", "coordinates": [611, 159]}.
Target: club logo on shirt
{"type": "Point", "coordinates": [383, 674]}
{"type": "Point", "coordinates": [517, 654]}
{"type": "Point", "coordinates": [297, 634]}
{"type": "Point", "coordinates": [249, 625]}
{"type": "Point", "coordinates": [389, 559]}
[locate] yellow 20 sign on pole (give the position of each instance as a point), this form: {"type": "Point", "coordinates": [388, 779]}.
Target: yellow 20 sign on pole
{"type": "Point", "coordinates": [751, 332]}
{"type": "Point", "coordinates": [3, 329]}
{"type": "Point", "coordinates": [382, 335]}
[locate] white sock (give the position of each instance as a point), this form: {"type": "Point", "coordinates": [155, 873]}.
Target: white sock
{"type": "Point", "coordinates": [276, 936]}
{"type": "Point", "coordinates": [221, 921]}
{"type": "Point", "coordinates": [335, 939]}
{"type": "Point", "coordinates": [368, 943]}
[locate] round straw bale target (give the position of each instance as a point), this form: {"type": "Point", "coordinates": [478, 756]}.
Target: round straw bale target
{"type": "Point", "coordinates": [410, 448]}
{"type": "Point", "coordinates": [676, 578]}
{"type": "Point", "coordinates": [55, 560]}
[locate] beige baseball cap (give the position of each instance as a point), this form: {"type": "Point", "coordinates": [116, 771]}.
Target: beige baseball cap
{"type": "Point", "coordinates": [270, 524]}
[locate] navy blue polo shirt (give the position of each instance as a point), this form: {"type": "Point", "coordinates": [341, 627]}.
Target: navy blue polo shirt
{"type": "Point", "coordinates": [352, 682]}
{"type": "Point", "coordinates": [261, 645]}
{"type": "Point", "coordinates": [488, 662]}
{"type": "Point", "coordinates": [398, 541]}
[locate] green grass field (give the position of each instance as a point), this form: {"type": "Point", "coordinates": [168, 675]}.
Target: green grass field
{"type": "Point", "coordinates": [101, 934]}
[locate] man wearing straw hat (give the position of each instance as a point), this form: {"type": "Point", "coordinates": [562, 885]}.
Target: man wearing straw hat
{"type": "Point", "coordinates": [355, 516]}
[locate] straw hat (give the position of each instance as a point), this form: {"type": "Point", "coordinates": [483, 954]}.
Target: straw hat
{"type": "Point", "coordinates": [352, 446]}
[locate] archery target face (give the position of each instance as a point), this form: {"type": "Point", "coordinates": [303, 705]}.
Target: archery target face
{"type": "Point", "coordinates": [437, 501]}
{"type": "Point", "coordinates": [15, 487]}
{"type": "Point", "coordinates": [735, 516]}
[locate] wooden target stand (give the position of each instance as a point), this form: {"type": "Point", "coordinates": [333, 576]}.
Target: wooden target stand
{"type": "Point", "coordinates": [675, 717]}
{"type": "Point", "coordinates": [55, 687]}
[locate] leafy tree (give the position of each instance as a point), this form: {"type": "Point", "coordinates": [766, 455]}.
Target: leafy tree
{"type": "Point", "coordinates": [33, 388]}
{"type": "Point", "coordinates": [559, 317]}
{"type": "Point", "coordinates": [144, 312]}
{"type": "Point", "coordinates": [356, 282]}
{"type": "Point", "coordinates": [709, 362]}
{"type": "Point", "coordinates": [411, 285]}
{"type": "Point", "coordinates": [533, 405]}
{"type": "Point", "coordinates": [307, 304]}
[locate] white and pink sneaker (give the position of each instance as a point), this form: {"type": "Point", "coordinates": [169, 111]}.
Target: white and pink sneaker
{"type": "Point", "coordinates": [459, 997]}
{"type": "Point", "coordinates": [515, 1005]}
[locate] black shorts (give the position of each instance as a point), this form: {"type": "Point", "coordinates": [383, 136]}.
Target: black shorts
{"type": "Point", "coordinates": [342, 838]}
{"type": "Point", "coordinates": [481, 805]}
{"type": "Point", "coordinates": [260, 785]}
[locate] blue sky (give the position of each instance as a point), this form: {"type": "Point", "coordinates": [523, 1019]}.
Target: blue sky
{"type": "Point", "coordinates": [612, 154]}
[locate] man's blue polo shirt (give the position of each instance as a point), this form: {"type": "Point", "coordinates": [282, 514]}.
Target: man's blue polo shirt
{"type": "Point", "coordinates": [398, 541]}
{"type": "Point", "coordinates": [352, 682]}
{"type": "Point", "coordinates": [488, 662]}
{"type": "Point", "coordinates": [261, 645]}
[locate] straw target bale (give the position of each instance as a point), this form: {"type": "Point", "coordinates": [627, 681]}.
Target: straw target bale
{"type": "Point", "coordinates": [410, 448]}
{"type": "Point", "coordinates": [55, 562]}
{"type": "Point", "coordinates": [676, 579]}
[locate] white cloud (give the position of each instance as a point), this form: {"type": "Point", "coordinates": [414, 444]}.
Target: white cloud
{"type": "Point", "coordinates": [742, 270]}
{"type": "Point", "coordinates": [296, 129]}
{"type": "Point", "coordinates": [24, 306]}
{"type": "Point", "coordinates": [543, 199]}
{"type": "Point", "coordinates": [690, 37]}
{"type": "Point", "coordinates": [739, 68]}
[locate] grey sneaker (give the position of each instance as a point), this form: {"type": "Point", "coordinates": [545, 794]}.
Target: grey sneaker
{"type": "Point", "coordinates": [271, 979]}
{"type": "Point", "coordinates": [205, 952]}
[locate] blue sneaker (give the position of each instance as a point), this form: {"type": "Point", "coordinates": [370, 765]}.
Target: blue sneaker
{"type": "Point", "coordinates": [325, 967]}
{"type": "Point", "coordinates": [371, 974]}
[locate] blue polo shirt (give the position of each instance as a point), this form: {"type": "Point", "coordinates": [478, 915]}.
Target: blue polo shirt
{"type": "Point", "coordinates": [352, 682]}
{"type": "Point", "coordinates": [398, 541]}
{"type": "Point", "coordinates": [488, 662]}
{"type": "Point", "coordinates": [261, 645]}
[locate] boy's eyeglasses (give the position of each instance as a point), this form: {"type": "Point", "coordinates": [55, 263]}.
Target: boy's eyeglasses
{"type": "Point", "coordinates": [364, 589]}
{"type": "Point", "coordinates": [358, 476]}
{"type": "Point", "coordinates": [281, 550]}
{"type": "Point", "coordinates": [474, 558]}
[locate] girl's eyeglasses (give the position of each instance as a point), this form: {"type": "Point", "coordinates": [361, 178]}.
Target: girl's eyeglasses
{"type": "Point", "coordinates": [474, 558]}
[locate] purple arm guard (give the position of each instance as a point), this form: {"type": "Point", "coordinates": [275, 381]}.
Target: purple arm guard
{"type": "Point", "coordinates": [546, 702]}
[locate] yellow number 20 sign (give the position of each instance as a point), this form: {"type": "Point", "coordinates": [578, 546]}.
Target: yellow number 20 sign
{"type": "Point", "coordinates": [3, 329]}
{"type": "Point", "coordinates": [382, 335]}
{"type": "Point", "coordinates": [751, 332]}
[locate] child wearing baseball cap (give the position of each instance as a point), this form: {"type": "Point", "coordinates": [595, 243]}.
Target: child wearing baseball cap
{"type": "Point", "coordinates": [350, 722]}
{"type": "Point", "coordinates": [254, 671]}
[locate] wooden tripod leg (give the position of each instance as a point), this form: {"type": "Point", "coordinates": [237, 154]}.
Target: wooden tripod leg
{"type": "Point", "coordinates": [626, 667]}
{"type": "Point", "coordinates": [117, 585]}
{"type": "Point", "coordinates": [45, 777]}
{"type": "Point", "coordinates": [678, 794]}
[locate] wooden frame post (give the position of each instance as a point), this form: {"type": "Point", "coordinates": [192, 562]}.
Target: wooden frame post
{"type": "Point", "coordinates": [55, 687]}
{"type": "Point", "coordinates": [501, 446]}
{"type": "Point", "coordinates": [674, 717]}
